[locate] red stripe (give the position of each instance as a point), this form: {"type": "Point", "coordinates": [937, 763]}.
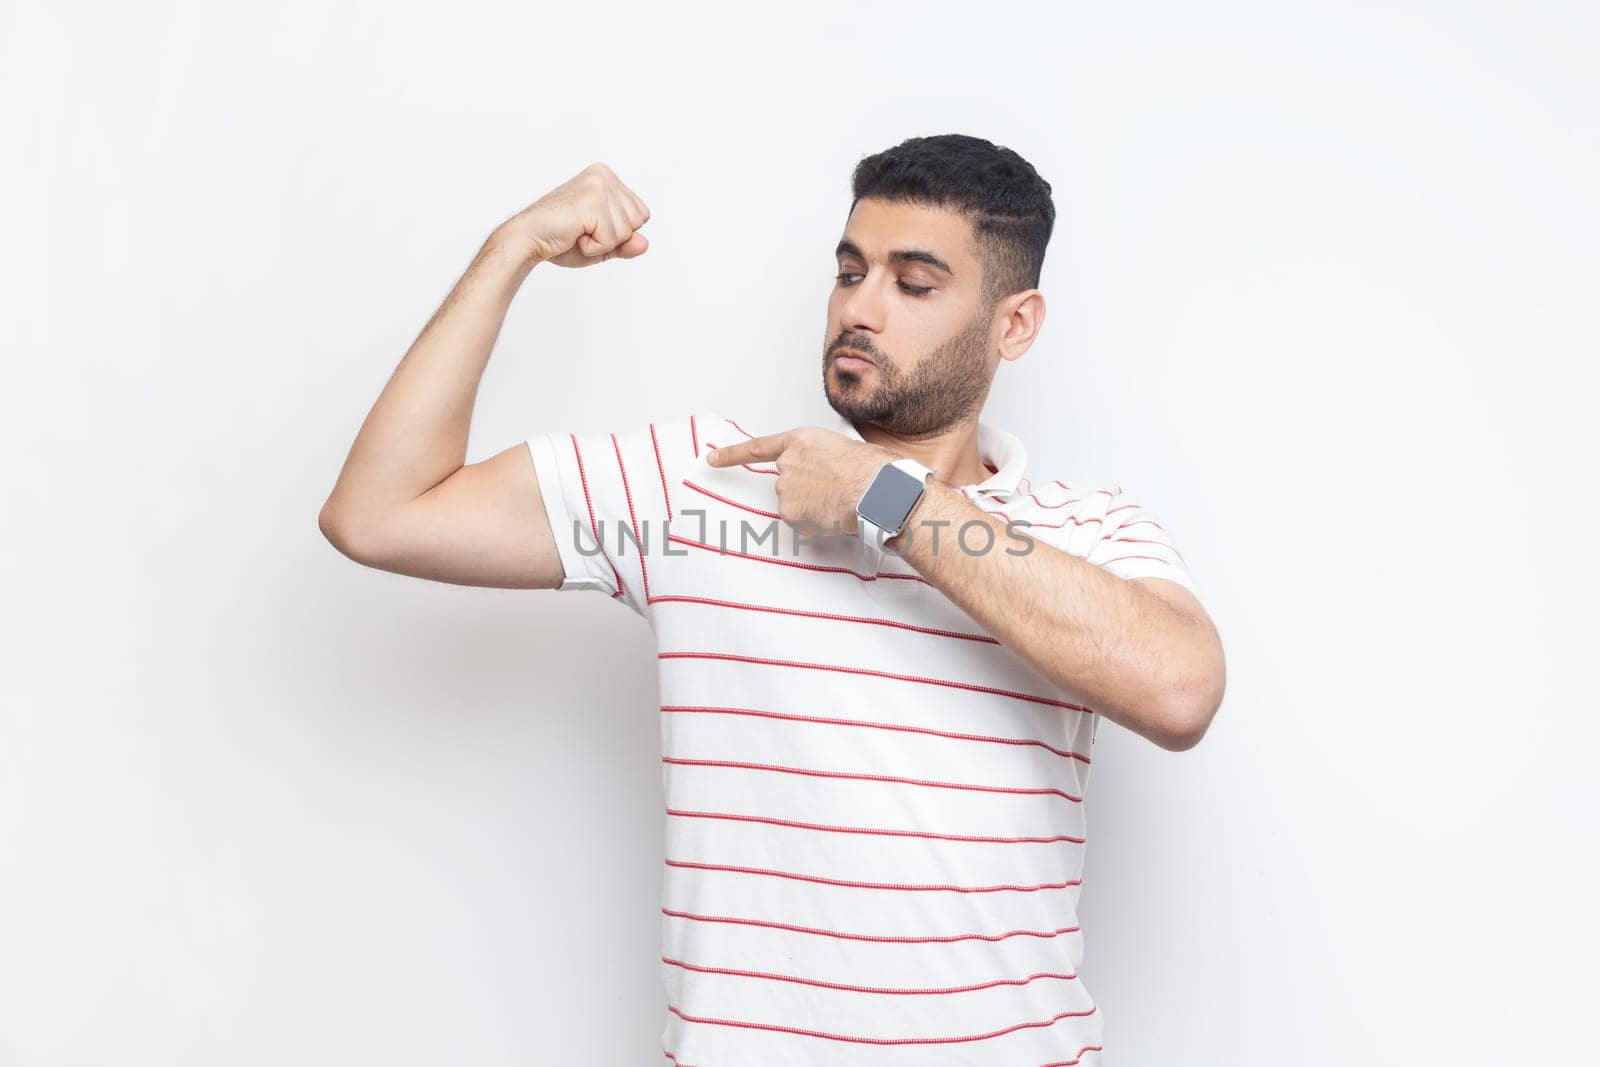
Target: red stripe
{"type": "Point", "coordinates": [1119, 559]}
{"type": "Point", "coordinates": [1046, 525]}
{"type": "Point", "coordinates": [1149, 522]}
{"type": "Point", "coordinates": [875, 885]}
{"type": "Point", "coordinates": [1055, 1063]}
{"type": "Point", "coordinates": [984, 638]}
{"type": "Point", "coordinates": [969, 686]}
{"type": "Point", "coordinates": [874, 830]}
{"type": "Point", "coordinates": [741, 429]}
{"type": "Point", "coordinates": [595, 530]}
{"type": "Point", "coordinates": [868, 989]}
{"type": "Point", "coordinates": [796, 563]}
{"type": "Point", "coordinates": [875, 726]}
{"type": "Point", "coordinates": [633, 521]}
{"type": "Point", "coordinates": [1014, 790]}
{"type": "Point", "coordinates": [887, 1040]}
{"type": "Point", "coordinates": [884, 938]}
{"type": "Point", "coordinates": [662, 470]}
{"type": "Point", "coordinates": [1148, 541]}
{"type": "Point", "coordinates": [731, 501]}
{"type": "Point", "coordinates": [1052, 507]}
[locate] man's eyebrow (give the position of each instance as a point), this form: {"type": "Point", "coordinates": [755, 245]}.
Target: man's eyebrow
{"type": "Point", "coordinates": [906, 255]}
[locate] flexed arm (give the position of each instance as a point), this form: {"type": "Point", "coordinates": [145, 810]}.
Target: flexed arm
{"type": "Point", "coordinates": [404, 501]}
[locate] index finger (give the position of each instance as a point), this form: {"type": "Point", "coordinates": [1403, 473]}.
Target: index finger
{"type": "Point", "coordinates": [757, 448]}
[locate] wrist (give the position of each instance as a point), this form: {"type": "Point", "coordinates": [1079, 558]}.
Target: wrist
{"type": "Point", "coordinates": [512, 242]}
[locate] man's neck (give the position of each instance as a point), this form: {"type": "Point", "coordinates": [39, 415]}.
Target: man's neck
{"type": "Point", "coordinates": [951, 454]}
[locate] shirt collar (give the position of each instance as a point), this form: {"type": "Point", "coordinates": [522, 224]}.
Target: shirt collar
{"type": "Point", "coordinates": [996, 447]}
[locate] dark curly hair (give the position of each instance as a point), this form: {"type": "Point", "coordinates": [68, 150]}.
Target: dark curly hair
{"type": "Point", "coordinates": [1002, 195]}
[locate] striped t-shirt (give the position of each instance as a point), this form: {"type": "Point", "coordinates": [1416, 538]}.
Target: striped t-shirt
{"type": "Point", "coordinates": [874, 817]}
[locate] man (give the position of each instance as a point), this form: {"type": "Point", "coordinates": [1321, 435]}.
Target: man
{"type": "Point", "coordinates": [883, 652]}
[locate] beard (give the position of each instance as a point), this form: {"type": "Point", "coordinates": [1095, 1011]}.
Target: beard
{"type": "Point", "coordinates": [946, 386]}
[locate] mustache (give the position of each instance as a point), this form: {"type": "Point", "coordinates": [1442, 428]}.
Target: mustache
{"type": "Point", "coordinates": [865, 349]}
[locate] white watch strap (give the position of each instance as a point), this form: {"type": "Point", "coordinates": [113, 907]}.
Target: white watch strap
{"type": "Point", "coordinates": [911, 466]}
{"type": "Point", "coordinates": [871, 533]}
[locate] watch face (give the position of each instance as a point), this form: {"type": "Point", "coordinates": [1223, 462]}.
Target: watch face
{"type": "Point", "coordinates": [890, 498]}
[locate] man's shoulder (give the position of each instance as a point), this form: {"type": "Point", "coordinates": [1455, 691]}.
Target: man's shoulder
{"type": "Point", "coordinates": [1052, 494]}
{"type": "Point", "coordinates": [683, 437]}
{"type": "Point", "coordinates": [722, 429]}
{"type": "Point", "coordinates": [1066, 512]}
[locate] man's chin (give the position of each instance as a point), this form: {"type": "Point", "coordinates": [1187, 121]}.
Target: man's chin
{"type": "Point", "coordinates": [858, 413]}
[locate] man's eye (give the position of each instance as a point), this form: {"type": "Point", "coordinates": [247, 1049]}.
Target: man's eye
{"type": "Point", "coordinates": [914, 290]}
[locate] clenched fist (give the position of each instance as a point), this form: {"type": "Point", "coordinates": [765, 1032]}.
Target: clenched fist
{"type": "Point", "coordinates": [588, 219]}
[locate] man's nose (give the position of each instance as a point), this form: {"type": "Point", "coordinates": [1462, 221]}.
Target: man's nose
{"type": "Point", "coordinates": [862, 310]}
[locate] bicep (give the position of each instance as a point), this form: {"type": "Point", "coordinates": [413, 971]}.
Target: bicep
{"type": "Point", "coordinates": [484, 525]}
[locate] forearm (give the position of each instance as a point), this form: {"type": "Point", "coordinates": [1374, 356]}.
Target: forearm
{"type": "Point", "coordinates": [415, 435]}
{"type": "Point", "coordinates": [1115, 646]}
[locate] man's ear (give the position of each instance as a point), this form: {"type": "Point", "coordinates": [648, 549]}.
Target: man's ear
{"type": "Point", "coordinates": [1024, 318]}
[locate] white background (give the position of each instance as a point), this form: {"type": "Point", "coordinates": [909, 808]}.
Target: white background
{"type": "Point", "coordinates": [1322, 288]}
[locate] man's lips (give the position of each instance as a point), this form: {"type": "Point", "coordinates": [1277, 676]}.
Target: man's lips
{"type": "Point", "coordinates": [850, 359]}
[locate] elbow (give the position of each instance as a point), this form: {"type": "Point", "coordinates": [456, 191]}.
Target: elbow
{"type": "Point", "coordinates": [341, 532]}
{"type": "Point", "coordinates": [1192, 708]}
{"type": "Point", "coordinates": [1180, 733]}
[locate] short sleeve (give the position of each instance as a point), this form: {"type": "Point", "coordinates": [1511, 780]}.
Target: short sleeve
{"type": "Point", "coordinates": [609, 497]}
{"type": "Point", "coordinates": [1134, 543]}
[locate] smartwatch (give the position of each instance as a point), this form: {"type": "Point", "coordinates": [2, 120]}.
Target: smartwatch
{"type": "Point", "coordinates": [884, 508]}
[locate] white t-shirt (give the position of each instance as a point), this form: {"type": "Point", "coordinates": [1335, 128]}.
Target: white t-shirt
{"type": "Point", "coordinates": [874, 810]}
